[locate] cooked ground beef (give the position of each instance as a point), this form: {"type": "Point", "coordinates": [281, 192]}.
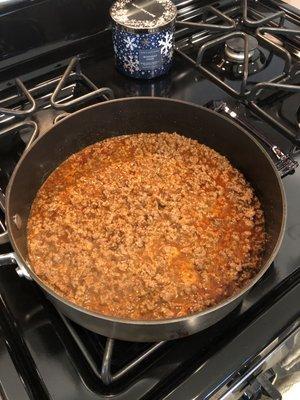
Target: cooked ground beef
{"type": "Point", "coordinates": [146, 226]}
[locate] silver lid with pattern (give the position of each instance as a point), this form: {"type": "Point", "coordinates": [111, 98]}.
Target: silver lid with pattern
{"type": "Point", "coordinates": [143, 15]}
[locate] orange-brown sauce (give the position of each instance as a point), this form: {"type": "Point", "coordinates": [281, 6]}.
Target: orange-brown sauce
{"type": "Point", "coordinates": [146, 226]}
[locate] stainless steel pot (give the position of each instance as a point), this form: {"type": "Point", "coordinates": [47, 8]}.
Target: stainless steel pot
{"type": "Point", "coordinates": [135, 115]}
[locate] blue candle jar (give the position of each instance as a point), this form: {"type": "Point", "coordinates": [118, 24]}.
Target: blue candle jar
{"type": "Point", "coordinates": [143, 36]}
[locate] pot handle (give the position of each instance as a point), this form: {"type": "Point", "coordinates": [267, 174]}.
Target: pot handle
{"type": "Point", "coordinates": [285, 163]}
{"type": "Point", "coordinates": [12, 259]}
{"type": "Point", "coordinates": [9, 258]}
{"type": "Point", "coordinates": [4, 234]}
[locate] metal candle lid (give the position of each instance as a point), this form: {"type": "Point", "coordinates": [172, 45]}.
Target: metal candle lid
{"type": "Point", "coordinates": [143, 15]}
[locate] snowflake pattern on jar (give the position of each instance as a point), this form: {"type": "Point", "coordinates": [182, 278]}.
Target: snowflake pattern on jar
{"type": "Point", "coordinates": [131, 64]}
{"type": "Point", "coordinates": [143, 55]}
{"type": "Point", "coordinates": [130, 43]}
{"type": "Point", "coordinates": [166, 43]}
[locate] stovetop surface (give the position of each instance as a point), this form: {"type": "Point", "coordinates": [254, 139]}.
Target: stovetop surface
{"type": "Point", "coordinates": [39, 357]}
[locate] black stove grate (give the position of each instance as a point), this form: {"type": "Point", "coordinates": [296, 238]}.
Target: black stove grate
{"type": "Point", "coordinates": [72, 70]}
{"type": "Point", "coordinates": [253, 23]}
{"type": "Point", "coordinates": [291, 128]}
{"type": "Point", "coordinates": [202, 45]}
{"type": "Point", "coordinates": [68, 92]}
{"type": "Point", "coordinates": [28, 113]}
{"type": "Point", "coordinates": [209, 12]}
{"type": "Point", "coordinates": [110, 359]}
{"type": "Point", "coordinates": [238, 30]}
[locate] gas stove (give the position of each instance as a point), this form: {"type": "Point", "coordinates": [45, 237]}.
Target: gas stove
{"type": "Point", "coordinates": [240, 58]}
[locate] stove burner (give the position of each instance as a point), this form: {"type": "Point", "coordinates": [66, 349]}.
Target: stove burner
{"type": "Point", "coordinates": [228, 58]}
{"type": "Point", "coordinates": [221, 57]}
{"type": "Point", "coordinates": [230, 61]}
{"type": "Point", "coordinates": [234, 48]}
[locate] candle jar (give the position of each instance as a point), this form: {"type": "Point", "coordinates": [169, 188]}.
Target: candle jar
{"type": "Point", "coordinates": [143, 36]}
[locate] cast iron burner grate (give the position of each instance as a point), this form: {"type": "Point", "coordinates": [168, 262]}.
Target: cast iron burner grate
{"type": "Point", "coordinates": [286, 122]}
{"type": "Point", "coordinates": [110, 359]}
{"type": "Point", "coordinates": [242, 56]}
{"type": "Point", "coordinates": [66, 93]}
{"type": "Point", "coordinates": [27, 113]}
{"type": "Point", "coordinates": [116, 363]}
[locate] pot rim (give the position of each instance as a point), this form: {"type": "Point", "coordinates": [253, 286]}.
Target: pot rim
{"type": "Point", "coordinates": [166, 321]}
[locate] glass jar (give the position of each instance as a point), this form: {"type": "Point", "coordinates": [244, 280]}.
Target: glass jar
{"type": "Point", "coordinates": [143, 36]}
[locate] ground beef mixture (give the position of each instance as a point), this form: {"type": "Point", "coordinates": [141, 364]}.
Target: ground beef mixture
{"type": "Point", "coordinates": [146, 226]}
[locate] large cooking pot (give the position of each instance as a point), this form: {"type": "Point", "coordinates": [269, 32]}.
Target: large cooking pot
{"type": "Point", "coordinates": [135, 115]}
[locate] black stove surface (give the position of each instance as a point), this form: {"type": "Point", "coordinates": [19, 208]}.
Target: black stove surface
{"type": "Point", "coordinates": [44, 356]}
